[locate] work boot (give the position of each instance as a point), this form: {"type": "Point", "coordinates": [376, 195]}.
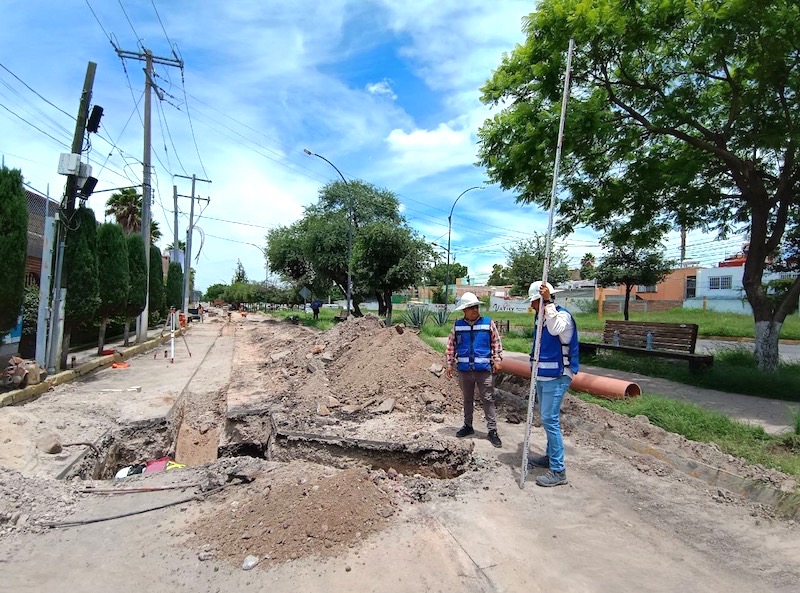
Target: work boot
{"type": "Point", "coordinates": [465, 431]}
{"type": "Point", "coordinates": [494, 438]}
{"type": "Point", "coordinates": [552, 478]}
{"type": "Point", "coordinates": [538, 461]}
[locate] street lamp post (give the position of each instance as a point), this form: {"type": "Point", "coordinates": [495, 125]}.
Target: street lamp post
{"type": "Point", "coordinates": [449, 226]}
{"type": "Point", "coordinates": [349, 228]}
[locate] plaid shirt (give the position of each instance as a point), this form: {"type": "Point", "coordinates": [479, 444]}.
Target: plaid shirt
{"type": "Point", "coordinates": [496, 344]}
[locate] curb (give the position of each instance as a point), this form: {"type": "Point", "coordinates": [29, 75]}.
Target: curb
{"type": "Point", "coordinates": [33, 392]}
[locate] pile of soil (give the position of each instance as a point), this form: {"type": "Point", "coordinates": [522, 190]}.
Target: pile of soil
{"type": "Point", "coordinates": [295, 510]}
{"type": "Point", "coordinates": [346, 372]}
{"type": "Point", "coordinates": [25, 502]}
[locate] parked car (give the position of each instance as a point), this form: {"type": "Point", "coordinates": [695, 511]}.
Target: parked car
{"type": "Point", "coordinates": [194, 314]}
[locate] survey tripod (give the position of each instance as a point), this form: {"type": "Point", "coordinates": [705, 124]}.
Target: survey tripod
{"type": "Point", "coordinates": [171, 325]}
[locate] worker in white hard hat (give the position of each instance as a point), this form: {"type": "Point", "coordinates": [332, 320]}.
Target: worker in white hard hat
{"type": "Point", "coordinates": [558, 363]}
{"type": "Point", "coordinates": [475, 350]}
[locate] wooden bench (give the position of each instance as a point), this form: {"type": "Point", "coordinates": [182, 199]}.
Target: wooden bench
{"type": "Point", "coordinates": [665, 340]}
{"type": "Point", "coordinates": [340, 316]}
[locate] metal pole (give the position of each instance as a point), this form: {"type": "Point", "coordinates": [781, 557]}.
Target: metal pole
{"type": "Point", "coordinates": [540, 317]}
{"type": "Point", "coordinates": [175, 247]}
{"type": "Point", "coordinates": [143, 321]}
{"type": "Point", "coordinates": [449, 226]}
{"type": "Point", "coordinates": [349, 228]}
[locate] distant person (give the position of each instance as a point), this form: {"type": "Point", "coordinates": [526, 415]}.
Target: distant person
{"type": "Point", "coordinates": [474, 349]}
{"type": "Point", "coordinates": [315, 307]}
{"type": "Point", "coordinates": [200, 312]}
{"type": "Point", "coordinates": [558, 363]}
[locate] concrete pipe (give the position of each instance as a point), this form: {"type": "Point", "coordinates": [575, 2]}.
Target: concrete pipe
{"type": "Point", "coordinates": [605, 387]}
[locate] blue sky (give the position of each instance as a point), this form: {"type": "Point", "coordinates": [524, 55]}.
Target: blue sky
{"type": "Point", "coordinates": [386, 90]}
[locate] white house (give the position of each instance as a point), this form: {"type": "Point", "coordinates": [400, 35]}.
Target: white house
{"type": "Point", "coordinates": [721, 289]}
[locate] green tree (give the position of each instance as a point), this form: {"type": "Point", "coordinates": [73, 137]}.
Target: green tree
{"type": "Point", "coordinates": [239, 275]}
{"type": "Point", "coordinates": [437, 274]}
{"type": "Point", "coordinates": [499, 276]}
{"type": "Point", "coordinates": [113, 276]}
{"type": "Point", "coordinates": [80, 268]}
{"type": "Point", "coordinates": [13, 246]}
{"type": "Point", "coordinates": [525, 263]}
{"type": "Point", "coordinates": [683, 113]}
{"type": "Point", "coordinates": [314, 250]}
{"type": "Point", "coordinates": [215, 292]}
{"type": "Point", "coordinates": [137, 275]}
{"type": "Point", "coordinates": [588, 263]}
{"type": "Point", "coordinates": [631, 266]}
{"type": "Point", "coordinates": [174, 286]}
{"type": "Point", "coordinates": [157, 302]}
{"type": "Point", "coordinates": [387, 258]}
{"type": "Point", "coordinates": [126, 208]}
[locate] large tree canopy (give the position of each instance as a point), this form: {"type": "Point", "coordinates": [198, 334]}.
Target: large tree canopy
{"type": "Point", "coordinates": [682, 112]}
{"type": "Point", "coordinates": [313, 251]}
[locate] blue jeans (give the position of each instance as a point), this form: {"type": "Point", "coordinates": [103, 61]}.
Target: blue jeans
{"type": "Point", "coordinates": [550, 395]}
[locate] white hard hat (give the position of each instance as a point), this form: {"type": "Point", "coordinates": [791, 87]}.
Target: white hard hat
{"type": "Point", "coordinates": [533, 290]}
{"type": "Point", "coordinates": [468, 299]}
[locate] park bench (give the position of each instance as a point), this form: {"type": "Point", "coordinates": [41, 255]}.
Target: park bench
{"type": "Point", "coordinates": [664, 340]}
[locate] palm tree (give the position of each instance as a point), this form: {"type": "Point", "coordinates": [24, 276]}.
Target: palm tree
{"type": "Point", "coordinates": [126, 207]}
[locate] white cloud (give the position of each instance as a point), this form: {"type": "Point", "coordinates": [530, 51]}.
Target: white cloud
{"type": "Point", "coordinates": [382, 88]}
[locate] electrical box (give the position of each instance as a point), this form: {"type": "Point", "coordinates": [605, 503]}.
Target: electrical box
{"type": "Point", "coordinates": [69, 164]}
{"type": "Point", "coordinates": [84, 172]}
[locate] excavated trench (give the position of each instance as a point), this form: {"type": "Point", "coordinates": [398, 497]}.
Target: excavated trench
{"type": "Point", "coordinates": [256, 435]}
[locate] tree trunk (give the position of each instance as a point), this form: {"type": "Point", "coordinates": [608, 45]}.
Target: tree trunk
{"type": "Point", "coordinates": [101, 339]}
{"type": "Point", "coordinates": [766, 345]}
{"type": "Point", "coordinates": [381, 303]}
{"type": "Point", "coordinates": [356, 310]}
{"type": "Point", "coordinates": [387, 296]}
{"type": "Point", "coordinates": [65, 347]}
{"type": "Point", "coordinates": [628, 289]}
{"type": "Point", "coordinates": [126, 331]}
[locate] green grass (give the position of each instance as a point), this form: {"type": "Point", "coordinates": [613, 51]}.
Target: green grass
{"type": "Point", "coordinates": [732, 437]}
{"type": "Point", "coordinates": [734, 371]}
{"type": "Point", "coordinates": [710, 323]}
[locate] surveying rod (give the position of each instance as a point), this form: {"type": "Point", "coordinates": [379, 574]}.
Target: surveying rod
{"type": "Point", "coordinates": [537, 340]}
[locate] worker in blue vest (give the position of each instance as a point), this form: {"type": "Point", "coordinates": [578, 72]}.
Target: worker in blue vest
{"type": "Point", "coordinates": [474, 349]}
{"type": "Point", "coordinates": [558, 363]}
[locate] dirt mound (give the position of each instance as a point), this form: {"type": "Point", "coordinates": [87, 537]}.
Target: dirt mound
{"type": "Point", "coordinates": [27, 501]}
{"type": "Point", "coordinates": [296, 510]}
{"type": "Point", "coordinates": [388, 364]}
{"type": "Point", "coordinates": [350, 369]}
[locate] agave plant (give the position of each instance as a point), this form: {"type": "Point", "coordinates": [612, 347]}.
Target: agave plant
{"type": "Point", "coordinates": [440, 316]}
{"type": "Point", "coordinates": [416, 317]}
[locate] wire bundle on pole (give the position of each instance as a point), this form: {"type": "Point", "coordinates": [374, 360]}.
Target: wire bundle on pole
{"type": "Point", "coordinates": [540, 317]}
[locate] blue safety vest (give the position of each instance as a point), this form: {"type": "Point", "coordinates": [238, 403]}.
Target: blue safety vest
{"type": "Point", "coordinates": [474, 345]}
{"type": "Point", "coordinates": [554, 356]}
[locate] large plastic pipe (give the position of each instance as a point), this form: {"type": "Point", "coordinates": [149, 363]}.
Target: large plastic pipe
{"type": "Point", "coordinates": [605, 387]}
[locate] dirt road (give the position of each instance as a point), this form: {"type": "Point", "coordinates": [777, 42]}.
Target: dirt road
{"type": "Point", "coordinates": [627, 521]}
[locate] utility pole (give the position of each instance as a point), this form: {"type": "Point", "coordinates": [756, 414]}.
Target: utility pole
{"type": "Point", "coordinates": [187, 268]}
{"type": "Point", "coordinates": [56, 347]}
{"type": "Point", "coordinates": [149, 59]}
{"type": "Point", "coordinates": [174, 255]}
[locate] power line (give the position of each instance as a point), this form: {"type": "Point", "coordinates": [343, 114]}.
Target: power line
{"type": "Point", "coordinates": [61, 142]}
{"type": "Point", "coordinates": [36, 93]}
{"type": "Point", "coordinates": [98, 22]}
{"type": "Point", "coordinates": [191, 126]}
{"type": "Point", "coordinates": [135, 34]}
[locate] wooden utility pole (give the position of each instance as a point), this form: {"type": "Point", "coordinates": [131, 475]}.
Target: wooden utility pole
{"type": "Point", "coordinates": [149, 59]}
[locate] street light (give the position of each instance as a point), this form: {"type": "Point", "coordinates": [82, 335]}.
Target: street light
{"type": "Point", "coordinates": [449, 226]}
{"type": "Point", "coordinates": [349, 227]}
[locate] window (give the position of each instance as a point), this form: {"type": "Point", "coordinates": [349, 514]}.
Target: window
{"type": "Point", "coordinates": [719, 282]}
{"type": "Point", "coordinates": [691, 287]}
{"type": "Point", "coordinates": [643, 288]}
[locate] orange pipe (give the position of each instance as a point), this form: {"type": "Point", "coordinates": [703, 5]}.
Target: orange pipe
{"type": "Point", "coordinates": [605, 387]}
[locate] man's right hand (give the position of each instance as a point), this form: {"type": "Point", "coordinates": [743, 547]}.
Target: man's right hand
{"type": "Point", "coordinates": [449, 372]}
